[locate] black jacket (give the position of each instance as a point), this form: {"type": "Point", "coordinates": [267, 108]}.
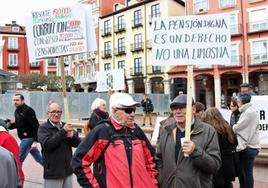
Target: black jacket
{"type": "Point", "coordinates": [25, 122]}
{"type": "Point", "coordinates": [56, 150]}
{"type": "Point", "coordinates": [227, 172]}
{"type": "Point", "coordinates": [147, 105]}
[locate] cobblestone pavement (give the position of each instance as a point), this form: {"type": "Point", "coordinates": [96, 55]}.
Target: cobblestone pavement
{"type": "Point", "coordinates": [34, 172]}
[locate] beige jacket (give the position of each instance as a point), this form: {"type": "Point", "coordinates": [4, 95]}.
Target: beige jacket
{"type": "Point", "coordinates": [247, 128]}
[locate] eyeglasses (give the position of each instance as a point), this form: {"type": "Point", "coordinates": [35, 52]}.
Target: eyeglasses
{"type": "Point", "coordinates": [128, 110]}
{"type": "Point", "coordinates": [56, 112]}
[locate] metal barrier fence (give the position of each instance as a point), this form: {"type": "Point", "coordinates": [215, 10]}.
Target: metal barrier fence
{"type": "Point", "coordinates": [79, 103]}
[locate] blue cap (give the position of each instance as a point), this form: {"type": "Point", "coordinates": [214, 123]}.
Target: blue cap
{"type": "Point", "coordinates": [180, 100]}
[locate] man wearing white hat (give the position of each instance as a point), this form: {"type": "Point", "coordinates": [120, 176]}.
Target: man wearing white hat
{"type": "Point", "coordinates": [118, 148]}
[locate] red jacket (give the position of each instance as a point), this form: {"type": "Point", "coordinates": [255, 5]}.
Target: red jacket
{"type": "Point", "coordinates": [122, 157]}
{"type": "Point", "coordinates": [9, 143]}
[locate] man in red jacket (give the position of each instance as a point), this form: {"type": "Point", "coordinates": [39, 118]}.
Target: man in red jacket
{"type": "Point", "coordinates": [121, 154]}
{"type": "Point", "coordinates": [9, 143]}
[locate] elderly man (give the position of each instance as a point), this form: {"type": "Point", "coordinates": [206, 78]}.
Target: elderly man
{"type": "Point", "coordinates": [121, 154]}
{"type": "Point", "coordinates": [247, 131]}
{"type": "Point", "coordinates": [196, 170]}
{"type": "Point", "coordinates": [57, 140]}
{"type": "Point", "coordinates": [245, 88]}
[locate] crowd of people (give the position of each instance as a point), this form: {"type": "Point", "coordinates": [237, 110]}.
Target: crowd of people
{"type": "Point", "coordinates": [116, 152]}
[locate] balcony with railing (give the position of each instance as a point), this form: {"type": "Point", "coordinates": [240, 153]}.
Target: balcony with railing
{"type": "Point", "coordinates": [12, 48]}
{"type": "Point", "coordinates": [13, 64]}
{"type": "Point", "coordinates": [136, 47]}
{"type": "Point", "coordinates": [136, 71]}
{"type": "Point", "coordinates": [258, 59]}
{"type": "Point", "coordinates": [106, 54]}
{"type": "Point", "coordinates": [120, 51]}
{"type": "Point", "coordinates": [151, 70]}
{"type": "Point", "coordinates": [35, 64]}
{"type": "Point", "coordinates": [201, 7]}
{"type": "Point", "coordinates": [236, 61]}
{"type": "Point", "coordinates": [106, 32]}
{"type": "Point", "coordinates": [236, 29]}
{"type": "Point", "coordinates": [199, 67]}
{"type": "Point", "coordinates": [255, 1]}
{"type": "Point", "coordinates": [258, 26]}
{"type": "Point", "coordinates": [137, 23]}
{"type": "Point", "coordinates": [149, 44]}
{"type": "Point", "coordinates": [120, 27]}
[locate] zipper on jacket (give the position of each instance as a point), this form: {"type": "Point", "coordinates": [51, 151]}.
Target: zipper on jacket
{"type": "Point", "coordinates": [128, 147]}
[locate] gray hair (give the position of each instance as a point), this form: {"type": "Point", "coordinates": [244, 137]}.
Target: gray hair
{"type": "Point", "coordinates": [97, 103]}
{"type": "Point", "coordinates": [244, 97]}
{"type": "Point", "coordinates": [50, 103]}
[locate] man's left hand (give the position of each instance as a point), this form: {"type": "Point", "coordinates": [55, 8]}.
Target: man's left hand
{"type": "Point", "coordinates": [188, 147]}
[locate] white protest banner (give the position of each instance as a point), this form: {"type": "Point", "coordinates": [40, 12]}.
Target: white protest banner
{"type": "Point", "coordinates": [110, 80]}
{"type": "Point", "coordinates": [60, 31]}
{"type": "Point", "coordinates": [191, 40]}
{"type": "Point", "coordinates": [260, 103]}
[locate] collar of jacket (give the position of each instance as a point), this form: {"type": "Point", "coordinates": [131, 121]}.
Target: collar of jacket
{"type": "Point", "coordinates": [197, 128]}
{"type": "Point", "coordinates": [20, 108]}
{"type": "Point", "coordinates": [53, 126]}
{"type": "Point", "coordinates": [2, 129]}
{"type": "Point", "coordinates": [117, 126]}
{"type": "Point", "coordinates": [244, 107]}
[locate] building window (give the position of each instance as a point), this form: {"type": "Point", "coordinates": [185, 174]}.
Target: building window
{"type": "Point", "coordinates": [128, 2]}
{"type": "Point", "coordinates": [234, 54]}
{"type": "Point", "coordinates": [121, 45]}
{"type": "Point", "coordinates": [15, 29]}
{"type": "Point", "coordinates": [107, 66]}
{"type": "Point", "coordinates": [13, 43]}
{"type": "Point", "coordinates": [77, 72]}
{"type": "Point", "coordinates": [107, 48]}
{"type": "Point", "coordinates": [258, 20]}
{"type": "Point", "coordinates": [107, 27]}
{"type": "Point", "coordinates": [156, 69]}
{"type": "Point", "coordinates": [137, 17]}
{"type": "Point", "coordinates": [138, 41]}
{"type": "Point", "coordinates": [155, 10]}
{"type": "Point", "coordinates": [120, 22]}
{"type": "Point", "coordinates": [13, 60]}
{"type": "Point", "coordinates": [116, 7]}
{"type": "Point", "coordinates": [121, 64]}
{"type": "Point", "coordinates": [138, 65]}
{"type": "Point", "coordinates": [85, 71]}
{"type": "Point", "coordinates": [92, 71]}
{"type": "Point", "coordinates": [260, 51]}
{"type": "Point", "coordinates": [200, 6]}
{"type": "Point", "coordinates": [52, 62]}
{"type": "Point", "coordinates": [233, 23]}
{"type": "Point", "coordinates": [227, 3]}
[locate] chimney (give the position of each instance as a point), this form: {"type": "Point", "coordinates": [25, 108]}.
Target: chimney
{"type": "Point", "coordinates": [13, 22]}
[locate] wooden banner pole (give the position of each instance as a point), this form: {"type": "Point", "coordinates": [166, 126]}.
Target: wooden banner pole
{"type": "Point", "coordinates": [64, 91]}
{"type": "Point", "coordinates": [189, 102]}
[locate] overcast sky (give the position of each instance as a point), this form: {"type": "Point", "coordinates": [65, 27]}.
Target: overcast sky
{"type": "Point", "coordinates": [16, 10]}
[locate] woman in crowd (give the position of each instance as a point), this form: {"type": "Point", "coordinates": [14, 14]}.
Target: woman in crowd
{"type": "Point", "coordinates": [99, 112]}
{"type": "Point", "coordinates": [200, 109]}
{"type": "Point", "coordinates": [226, 174]}
{"type": "Point", "coordinates": [235, 112]}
